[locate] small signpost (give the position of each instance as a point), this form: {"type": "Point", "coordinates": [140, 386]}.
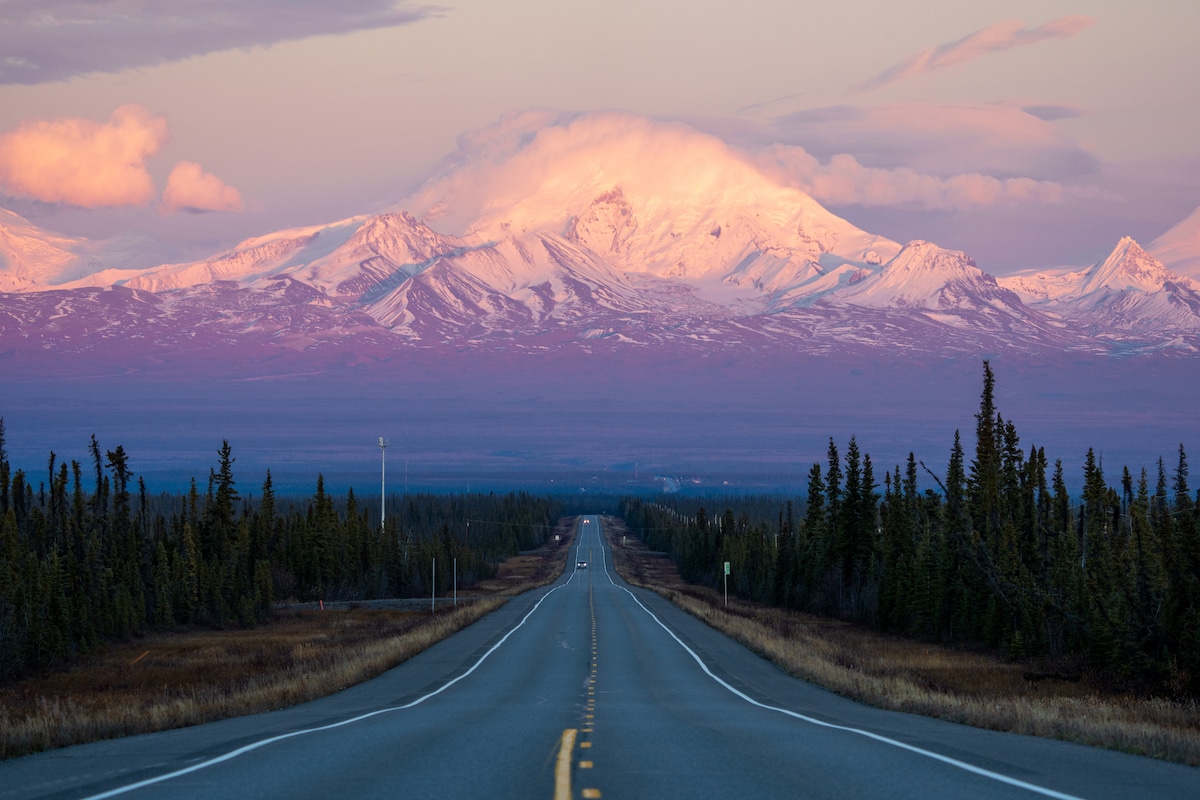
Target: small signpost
{"type": "Point", "coordinates": [726, 583]}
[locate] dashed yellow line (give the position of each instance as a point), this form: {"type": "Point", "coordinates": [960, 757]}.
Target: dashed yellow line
{"type": "Point", "coordinates": [589, 717]}
{"type": "Point", "coordinates": [567, 749]}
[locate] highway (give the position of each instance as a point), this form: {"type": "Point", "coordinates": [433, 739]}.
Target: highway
{"type": "Point", "coordinates": [588, 688]}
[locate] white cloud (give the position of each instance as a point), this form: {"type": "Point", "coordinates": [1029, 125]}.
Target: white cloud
{"type": "Point", "coordinates": [190, 188]}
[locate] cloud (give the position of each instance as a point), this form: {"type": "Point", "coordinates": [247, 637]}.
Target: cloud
{"type": "Point", "coordinates": [992, 39]}
{"type": "Point", "coordinates": [535, 168]}
{"type": "Point", "coordinates": [1052, 113]}
{"type": "Point", "coordinates": [992, 139]}
{"type": "Point", "coordinates": [844, 181]}
{"type": "Point", "coordinates": [50, 40]}
{"type": "Point", "coordinates": [190, 188]}
{"type": "Point", "coordinates": [82, 162]}
{"type": "Point", "coordinates": [530, 167]}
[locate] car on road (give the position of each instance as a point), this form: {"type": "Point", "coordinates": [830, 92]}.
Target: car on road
{"type": "Point", "coordinates": [580, 565]}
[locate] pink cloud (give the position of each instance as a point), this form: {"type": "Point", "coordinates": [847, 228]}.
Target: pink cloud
{"type": "Point", "coordinates": [81, 162]}
{"type": "Point", "coordinates": [990, 139]}
{"type": "Point", "coordinates": [992, 39]}
{"type": "Point", "coordinates": [190, 188]}
{"type": "Point", "coordinates": [844, 181]}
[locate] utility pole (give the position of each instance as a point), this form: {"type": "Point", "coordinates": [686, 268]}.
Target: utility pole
{"type": "Point", "coordinates": [382, 477]}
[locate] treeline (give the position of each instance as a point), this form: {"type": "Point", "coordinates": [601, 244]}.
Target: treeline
{"type": "Point", "coordinates": [1001, 556]}
{"type": "Point", "coordinates": [90, 556]}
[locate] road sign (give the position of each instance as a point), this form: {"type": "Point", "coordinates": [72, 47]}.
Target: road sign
{"type": "Point", "coordinates": [726, 567]}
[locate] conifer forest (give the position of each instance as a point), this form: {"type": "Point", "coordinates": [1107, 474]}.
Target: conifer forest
{"type": "Point", "coordinates": [86, 555]}
{"type": "Point", "coordinates": [1000, 555]}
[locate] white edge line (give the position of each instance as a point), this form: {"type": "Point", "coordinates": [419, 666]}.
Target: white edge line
{"type": "Point", "coordinates": [996, 776]}
{"type": "Point", "coordinates": [264, 742]}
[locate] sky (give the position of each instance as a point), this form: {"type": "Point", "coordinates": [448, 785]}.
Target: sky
{"type": "Point", "coordinates": [1028, 134]}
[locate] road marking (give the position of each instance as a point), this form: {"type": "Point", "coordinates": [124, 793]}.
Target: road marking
{"type": "Point", "coordinates": [585, 765]}
{"type": "Point", "coordinates": [590, 793]}
{"type": "Point", "coordinates": [953, 762]}
{"type": "Point", "coordinates": [271, 740]}
{"type": "Point", "coordinates": [562, 770]}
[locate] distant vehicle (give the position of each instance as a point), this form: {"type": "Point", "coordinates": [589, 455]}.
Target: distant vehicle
{"type": "Point", "coordinates": [580, 565]}
{"type": "Point", "coordinates": [586, 521]}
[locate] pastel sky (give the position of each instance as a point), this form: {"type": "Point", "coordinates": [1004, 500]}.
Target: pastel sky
{"type": "Point", "coordinates": [1029, 134]}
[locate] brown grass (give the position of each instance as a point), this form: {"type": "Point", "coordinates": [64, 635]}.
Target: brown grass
{"type": "Point", "coordinates": [922, 678]}
{"type": "Point", "coordinates": [179, 678]}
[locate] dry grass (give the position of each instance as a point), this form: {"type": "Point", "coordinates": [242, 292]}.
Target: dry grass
{"type": "Point", "coordinates": [908, 675]}
{"type": "Point", "coordinates": [174, 679]}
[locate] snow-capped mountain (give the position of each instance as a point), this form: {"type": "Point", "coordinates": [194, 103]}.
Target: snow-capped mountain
{"type": "Point", "coordinates": [33, 258]}
{"type": "Point", "coordinates": [606, 231]}
{"type": "Point", "coordinates": [1127, 296]}
{"type": "Point", "coordinates": [1179, 248]}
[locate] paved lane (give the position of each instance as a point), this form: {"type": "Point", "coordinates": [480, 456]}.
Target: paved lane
{"type": "Point", "coordinates": [587, 689]}
{"type": "Point", "coordinates": [684, 711]}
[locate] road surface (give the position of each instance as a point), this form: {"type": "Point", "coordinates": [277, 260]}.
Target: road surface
{"type": "Point", "coordinates": [588, 688]}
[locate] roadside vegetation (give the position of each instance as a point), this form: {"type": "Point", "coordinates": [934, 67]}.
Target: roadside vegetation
{"type": "Point", "coordinates": [905, 674]}
{"type": "Point", "coordinates": [90, 556]}
{"type": "Point", "coordinates": [175, 678]}
{"type": "Point", "coordinates": [999, 600]}
{"type": "Point", "coordinates": [1105, 584]}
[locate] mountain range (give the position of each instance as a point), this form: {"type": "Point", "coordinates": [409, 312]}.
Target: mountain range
{"type": "Point", "coordinates": [699, 314]}
{"type": "Point", "coordinates": [617, 273]}
{"type": "Point", "coordinates": [601, 249]}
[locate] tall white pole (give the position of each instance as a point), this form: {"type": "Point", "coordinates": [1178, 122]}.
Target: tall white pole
{"type": "Point", "coordinates": [382, 478]}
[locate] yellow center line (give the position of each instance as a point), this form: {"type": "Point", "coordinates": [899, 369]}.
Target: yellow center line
{"type": "Point", "coordinates": [562, 770]}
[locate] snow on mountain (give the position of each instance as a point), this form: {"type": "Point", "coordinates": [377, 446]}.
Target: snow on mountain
{"type": "Point", "coordinates": [1129, 294]}
{"type": "Point", "coordinates": [587, 230]}
{"type": "Point", "coordinates": [388, 247]}
{"type": "Point", "coordinates": [1179, 248]}
{"type": "Point", "coordinates": [32, 258]}
{"type": "Point", "coordinates": [925, 276]}
{"type": "Point", "coordinates": [646, 196]}
{"type": "Point", "coordinates": [1035, 286]}
{"type": "Point", "coordinates": [1128, 268]}
{"type": "Point", "coordinates": [251, 259]}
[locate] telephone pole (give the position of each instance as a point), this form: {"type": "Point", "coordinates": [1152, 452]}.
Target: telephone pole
{"type": "Point", "coordinates": [382, 478]}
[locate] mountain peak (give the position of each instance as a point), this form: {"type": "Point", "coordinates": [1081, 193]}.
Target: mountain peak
{"type": "Point", "coordinates": [1127, 268]}
{"type": "Point", "coordinates": [923, 275]}
{"type": "Point", "coordinates": [648, 196]}
{"type": "Point", "coordinates": [31, 257]}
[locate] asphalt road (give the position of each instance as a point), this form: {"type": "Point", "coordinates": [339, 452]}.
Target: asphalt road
{"type": "Point", "coordinates": [588, 689]}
